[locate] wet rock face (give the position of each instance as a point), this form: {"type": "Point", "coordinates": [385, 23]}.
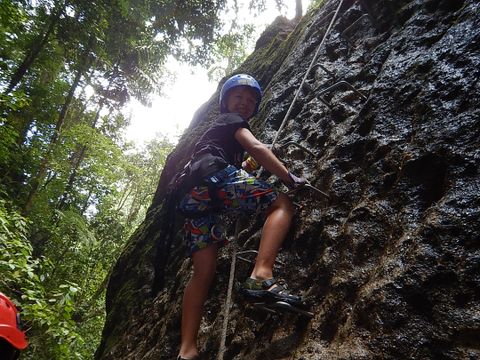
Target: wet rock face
{"type": "Point", "coordinates": [391, 261]}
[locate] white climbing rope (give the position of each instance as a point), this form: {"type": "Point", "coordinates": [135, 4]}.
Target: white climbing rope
{"type": "Point", "coordinates": [228, 301]}
{"type": "Point", "coordinates": [306, 74]}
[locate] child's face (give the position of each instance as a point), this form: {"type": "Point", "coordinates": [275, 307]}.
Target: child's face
{"type": "Point", "coordinates": [242, 100]}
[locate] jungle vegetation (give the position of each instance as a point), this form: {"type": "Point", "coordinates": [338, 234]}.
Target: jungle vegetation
{"type": "Point", "coordinates": [72, 189]}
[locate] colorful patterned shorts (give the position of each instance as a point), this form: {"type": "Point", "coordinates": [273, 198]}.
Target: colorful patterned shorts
{"type": "Point", "coordinates": [237, 192]}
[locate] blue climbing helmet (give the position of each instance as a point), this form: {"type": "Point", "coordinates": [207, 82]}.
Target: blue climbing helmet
{"type": "Point", "coordinates": [239, 80]}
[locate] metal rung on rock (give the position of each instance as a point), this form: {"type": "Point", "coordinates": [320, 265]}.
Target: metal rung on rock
{"type": "Point", "coordinates": [354, 25]}
{"type": "Point", "coordinates": [239, 253]}
{"type": "Point", "coordinates": [340, 84]}
{"type": "Point", "coordinates": [311, 187]}
{"type": "Point", "coordinates": [330, 73]}
{"type": "Point", "coordinates": [246, 252]}
{"type": "Point", "coordinates": [299, 146]}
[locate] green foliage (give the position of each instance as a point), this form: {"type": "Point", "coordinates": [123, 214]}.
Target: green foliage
{"type": "Point", "coordinates": [14, 101]}
{"type": "Point", "coordinates": [8, 154]}
{"type": "Point", "coordinates": [142, 172]}
{"type": "Point", "coordinates": [16, 262]}
{"type": "Point", "coordinates": [13, 18]}
{"type": "Point", "coordinates": [64, 312]}
{"type": "Point", "coordinates": [230, 51]}
{"type": "Point", "coordinates": [314, 4]}
{"type": "Point", "coordinates": [48, 314]}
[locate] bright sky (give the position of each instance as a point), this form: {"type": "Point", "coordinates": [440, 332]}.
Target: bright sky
{"type": "Point", "coordinates": [171, 114]}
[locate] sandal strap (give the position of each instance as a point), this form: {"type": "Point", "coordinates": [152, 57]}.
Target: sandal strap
{"type": "Point", "coordinates": [270, 290]}
{"type": "Point", "coordinates": [267, 284]}
{"type": "Point", "coordinates": [280, 290]}
{"type": "Point", "coordinates": [254, 284]}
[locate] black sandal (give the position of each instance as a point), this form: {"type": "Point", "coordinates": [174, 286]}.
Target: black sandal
{"type": "Point", "coordinates": [263, 290]}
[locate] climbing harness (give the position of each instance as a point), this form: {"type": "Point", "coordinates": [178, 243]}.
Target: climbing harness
{"type": "Point", "coordinates": [237, 225]}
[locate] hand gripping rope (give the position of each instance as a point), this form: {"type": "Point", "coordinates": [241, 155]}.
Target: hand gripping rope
{"type": "Point", "coordinates": [228, 301]}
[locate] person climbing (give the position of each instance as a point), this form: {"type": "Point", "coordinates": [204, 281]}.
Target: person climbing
{"type": "Point", "coordinates": [214, 183]}
{"type": "Point", "coordinates": [12, 338]}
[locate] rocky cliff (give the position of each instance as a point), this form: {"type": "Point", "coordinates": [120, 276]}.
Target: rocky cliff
{"type": "Point", "coordinates": [391, 261]}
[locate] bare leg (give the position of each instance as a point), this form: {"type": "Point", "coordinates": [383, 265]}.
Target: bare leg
{"type": "Point", "coordinates": [277, 224]}
{"type": "Point", "coordinates": [194, 296]}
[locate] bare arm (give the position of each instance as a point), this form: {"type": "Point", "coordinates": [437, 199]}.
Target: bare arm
{"type": "Point", "coordinates": [262, 154]}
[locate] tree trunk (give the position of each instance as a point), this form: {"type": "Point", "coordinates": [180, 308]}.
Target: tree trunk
{"type": "Point", "coordinates": [85, 204]}
{"type": "Point", "coordinates": [298, 9]}
{"type": "Point", "coordinates": [134, 209]}
{"type": "Point", "coordinates": [58, 127]}
{"type": "Point", "coordinates": [79, 158]}
{"type": "Point", "coordinates": [76, 164]}
{"type": "Point", "coordinates": [35, 48]}
{"type": "Point", "coordinates": [126, 193]}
